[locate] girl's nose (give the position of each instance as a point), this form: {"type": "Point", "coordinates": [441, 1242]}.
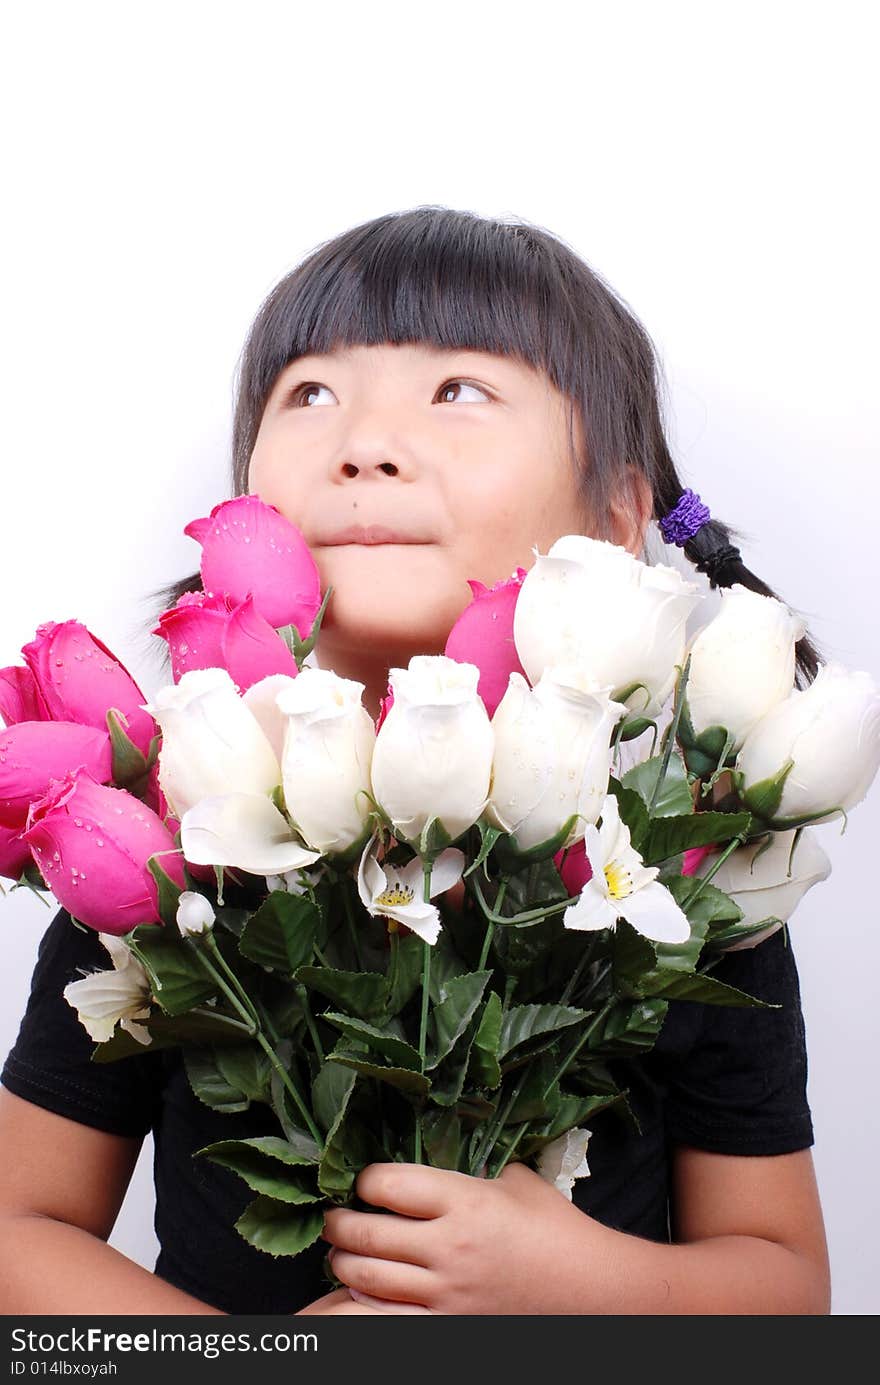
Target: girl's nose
{"type": "Point", "coordinates": [374, 447]}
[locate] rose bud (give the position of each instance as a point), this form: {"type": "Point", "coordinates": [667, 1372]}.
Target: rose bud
{"type": "Point", "coordinates": [249, 548]}
{"type": "Point", "coordinates": [214, 632]}
{"type": "Point", "coordinates": [92, 844]}
{"type": "Point", "coordinates": [15, 853]}
{"type": "Point", "coordinates": [79, 679]}
{"type": "Point", "coordinates": [33, 753]}
{"type": "Point", "coordinates": [483, 635]}
{"type": "Point", "coordinates": [20, 698]}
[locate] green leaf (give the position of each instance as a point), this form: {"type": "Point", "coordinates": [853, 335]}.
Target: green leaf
{"type": "Point", "coordinates": [451, 1017]}
{"type": "Point", "coordinates": [711, 906]}
{"type": "Point", "coordinates": [129, 761]}
{"type": "Point", "coordinates": [403, 982]}
{"type": "Point", "coordinates": [403, 1078]}
{"type": "Point", "coordinates": [246, 1067]}
{"type": "Point", "coordinates": [335, 1172]}
{"type": "Point", "coordinates": [513, 858]}
{"type": "Point", "coordinates": [264, 1169]}
{"type": "Point", "coordinates": [281, 934]}
{"type": "Point", "coordinates": [763, 799]}
{"type": "Point", "coordinates": [630, 1026]}
{"type": "Point", "coordinates": [168, 893]}
{"type": "Point", "coordinates": [699, 986]}
{"type": "Point", "coordinates": [667, 836]}
{"type": "Point", "coordinates": [176, 977]}
{"type": "Point", "coordinates": [378, 1040]}
{"type": "Point", "coordinates": [331, 1090]}
{"type": "Point", "coordinates": [632, 956]}
{"type": "Point", "coordinates": [488, 837]}
{"type": "Point", "coordinates": [365, 993]}
{"type": "Point", "coordinates": [209, 1084]}
{"type": "Point", "coordinates": [675, 795]}
{"type": "Point", "coordinates": [722, 937]}
{"type": "Point", "coordinates": [197, 1027]}
{"type": "Point", "coordinates": [569, 1115]}
{"type": "Point", "coordinates": [525, 1022]}
{"type": "Point", "coordinates": [633, 811]}
{"type": "Point", "coordinates": [279, 1229]}
{"type": "Point", "coordinates": [485, 1067]}
{"type": "Point", "coordinates": [442, 1138]}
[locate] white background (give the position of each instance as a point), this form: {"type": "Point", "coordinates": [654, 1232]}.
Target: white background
{"type": "Point", "coordinates": [163, 167]}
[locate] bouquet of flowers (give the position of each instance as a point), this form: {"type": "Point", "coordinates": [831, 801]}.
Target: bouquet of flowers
{"type": "Point", "coordinates": [424, 938]}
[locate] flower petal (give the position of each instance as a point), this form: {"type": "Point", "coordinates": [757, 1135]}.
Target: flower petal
{"type": "Point", "coordinates": [244, 830]}
{"type": "Point", "coordinates": [655, 914]}
{"type": "Point", "coordinates": [593, 910]}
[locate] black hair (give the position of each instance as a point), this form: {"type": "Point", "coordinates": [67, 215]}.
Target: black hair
{"type": "Point", "coordinates": [457, 280]}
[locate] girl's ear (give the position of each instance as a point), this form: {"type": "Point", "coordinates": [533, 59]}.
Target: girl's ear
{"type": "Point", "coordinates": [631, 512]}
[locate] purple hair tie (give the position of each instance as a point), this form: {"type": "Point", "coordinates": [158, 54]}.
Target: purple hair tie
{"type": "Point", "coordinates": [689, 515]}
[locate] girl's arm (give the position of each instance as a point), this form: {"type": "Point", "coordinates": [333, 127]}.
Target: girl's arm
{"type": "Point", "coordinates": [749, 1233]}
{"type": "Point", "coordinates": [61, 1186]}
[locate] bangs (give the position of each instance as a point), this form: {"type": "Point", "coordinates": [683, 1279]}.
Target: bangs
{"type": "Point", "coordinates": [443, 278]}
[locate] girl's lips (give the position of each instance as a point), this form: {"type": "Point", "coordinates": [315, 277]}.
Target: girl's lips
{"type": "Point", "coordinates": [369, 535]}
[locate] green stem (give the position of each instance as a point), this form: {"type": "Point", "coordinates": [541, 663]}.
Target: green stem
{"type": "Point", "coordinates": [600, 1015]}
{"type": "Point", "coordinates": [671, 734]}
{"type": "Point", "coordinates": [201, 946]}
{"type": "Point", "coordinates": [716, 866]}
{"type": "Point", "coordinates": [320, 956]}
{"type": "Point", "coordinates": [352, 925]}
{"type": "Point", "coordinates": [290, 1085]}
{"type": "Point", "coordinates": [310, 1021]}
{"type": "Point", "coordinates": [511, 1148]}
{"type": "Point", "coordinates": [495, 1127]}
{"type": "Point", "coordinates": [490, 926]}
{"type": "Point", "coordinates": [423, 1022]}
{"type": "Point", "coordinates": [528, 917]}
{"type": "Point", "coordinates": [575, 977]}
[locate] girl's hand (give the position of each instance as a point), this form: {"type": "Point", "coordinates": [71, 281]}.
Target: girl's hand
{"type": "Point", "coordinates": [340, 1302]}
{"type": "Point", "coordinates": [462, 1245]}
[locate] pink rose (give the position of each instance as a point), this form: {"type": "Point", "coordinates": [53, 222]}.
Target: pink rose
{"type": "Point", "coordinates": [20, 698]}
{"type": "Point", "coordinates": [249, 548]}
{"type": "Point", "coordinates": [15, 853]}
{"type": "Point", "coordinates": [92, 845]}
{"type": "Point", "coordinates": [214, 632]}
{"type": "Point", "coordinates": [33, 753]}
{"type": "Point", "coordinates": [483, 635]}
{"type": "Point", "coordinates": [574, 867]}
{"type": "Point", "coordinates": [693, 858]}
{"type": "Point", "coordinates": [385, 705]}
{"type": "Point", "coordinates": [79, 679]}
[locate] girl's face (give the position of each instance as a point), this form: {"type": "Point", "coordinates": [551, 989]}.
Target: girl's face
{"type": "Point", "coordinates": [419, 469]}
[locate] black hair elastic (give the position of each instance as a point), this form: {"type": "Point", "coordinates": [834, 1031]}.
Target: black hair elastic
{"type": "Point", "coordinates": [711, 565]}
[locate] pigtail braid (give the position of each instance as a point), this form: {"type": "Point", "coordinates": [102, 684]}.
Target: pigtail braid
{"type": "Point", "coordinates": [713, 552]}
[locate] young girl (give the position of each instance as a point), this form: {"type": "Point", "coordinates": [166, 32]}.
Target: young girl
{"type": "Point", "coordinates": [474, 391]}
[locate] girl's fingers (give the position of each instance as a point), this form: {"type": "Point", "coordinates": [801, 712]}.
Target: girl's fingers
{"type": "Point", "coordinates": [413, 1189]}
{"type": "Point", "coordinates": [388, 1279]}
{"type": "Point", "coordinates": [387, 1305]}
{"type": "Point", "coordinates": [377, 1235]}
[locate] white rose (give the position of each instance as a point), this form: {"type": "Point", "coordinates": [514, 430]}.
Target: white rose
{"type": "Point", "coordinates": [593, 605]}
{"type": "Point", "coordinates": [552, 755]}
{"type": "Point", "coordinates": [120, 995]}
{"type": "Point", "coordinates": [759, 881]}
{"type": "Point", "coordinates": [564, 1160]}
{"type": "Point", "coordinates": [211, 742]}
{"type": "Point", "coordinates": [195, 913]}
{"type": "Point", "coordinates": [742, 662]}
{"type": "Point", "coordinates": [260, 699]}
{"type": "Point", "coordinates": [831, 731]}
{"type": "Point", "coordinates": [433, 753]}
{"type": "Point", "coordinates": [325, 764]}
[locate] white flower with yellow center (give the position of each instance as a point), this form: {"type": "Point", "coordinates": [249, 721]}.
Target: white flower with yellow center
{"type": "Point", "coordinates": [622, 886]}
{"type": "Point", "coordinates": [120, 995]}
{"type": "Point", "coordinates": [390, 892]}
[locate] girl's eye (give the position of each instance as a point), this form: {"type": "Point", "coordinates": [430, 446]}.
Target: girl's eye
{"type": "Point", "coordinates": [460, 384]}
{"type": "Point", "coordinates": [302, 392]}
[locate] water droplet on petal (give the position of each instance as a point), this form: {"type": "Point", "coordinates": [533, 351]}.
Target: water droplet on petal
{"type": "Point", "coordinates": [100, 841]}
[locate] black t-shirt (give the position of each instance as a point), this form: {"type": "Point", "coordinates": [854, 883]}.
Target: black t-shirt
{"type": "Point", "coordinates": [728, 1080]}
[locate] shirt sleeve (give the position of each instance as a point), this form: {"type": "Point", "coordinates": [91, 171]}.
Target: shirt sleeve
{"type": "Point", "coordinates": [50, 1063]}
{"type": "Point", "coordinates": [742, 1087]}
